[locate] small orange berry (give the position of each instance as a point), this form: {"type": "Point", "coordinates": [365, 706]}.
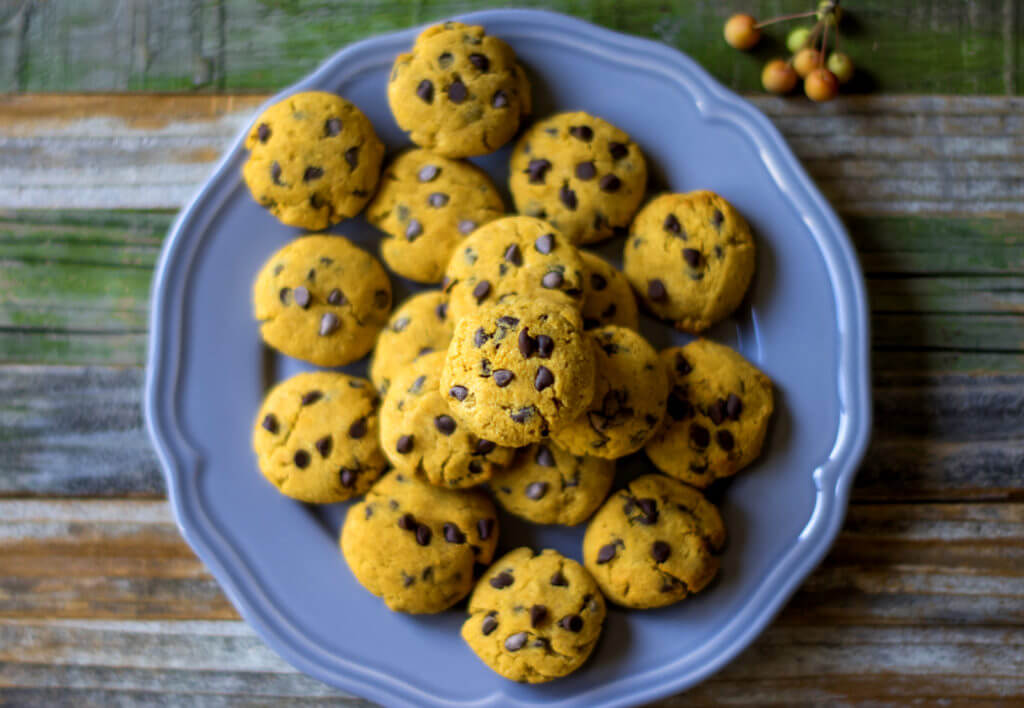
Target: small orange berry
{"type": "Point", "coordinates": [778, 76]}
{"type": "Point", "coordinates": [821, 85]}
{"type": "Point", "coordinates": [806, 61]}
{"type": "Point", "coordinates": [741, 31]}
{"type": "Point", "coordinates": [841, 65]}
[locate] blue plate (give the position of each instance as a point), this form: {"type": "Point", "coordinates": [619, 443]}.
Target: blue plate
{"type": "Point", "coordinates": [805, 325]}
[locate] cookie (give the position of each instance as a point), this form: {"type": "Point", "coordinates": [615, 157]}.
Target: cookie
{"type": "Point", "coordinates": [548, 485]}
{"type": "Point", "coordinates": [419, 326]}
{"type": "Point", "coordinates": [654, 543]}
{"type": "Point", "coordinates": [322, 299]}
{"type": "Point", "coordinates": [416, 545]}
{"type": "Point", "coordinates": [630, 392]}
{"type": "Point", "coordinates": [580, 173]}
{"type": "Point", "coordinates": [607, 297]}
{"type": "Point", "coordinates": [690, 258]}
{"type": "Point", "coordinates": [519, 369]}
{"type": "Point", "coordinates": [718, 412]}
{"type": "Point", "coordinates": [513, 256]}
{"type": "Point", "coordinates": [420, 436]}
{"type": "Point", "coordinates": [459, 92]}
{"type": "Point", "coordinates": [534, 617]}
{"type": "Point", "coordinates": [314, 160]}
{"type": "Point", "coordinates": [315, 437]}
{"type": "Point", "coordinates": [426, 205]}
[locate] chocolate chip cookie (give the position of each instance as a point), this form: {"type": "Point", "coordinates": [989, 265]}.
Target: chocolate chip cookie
{"type": "Point", "coordinates": [419, 326]}
{"type": "Point", "coordinates": [607, 297]}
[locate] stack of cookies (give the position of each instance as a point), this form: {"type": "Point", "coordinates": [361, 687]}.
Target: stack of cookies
{"type": "Point", "coordinates": [522, 376]}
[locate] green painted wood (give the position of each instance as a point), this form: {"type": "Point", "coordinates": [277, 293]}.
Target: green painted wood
{"type": "Point", "coordinates": [929, 46]}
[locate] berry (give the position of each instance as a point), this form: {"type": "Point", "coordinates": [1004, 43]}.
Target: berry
{"type": "Point", "coordinates": [741, 31]}
{"type": "Point", "coordinates": [830, 11]}
{"type": "Point", "coordinates": [778, 77]}
{"type": "Point", "coordinates": [841, 65]}
{"type": "Point", "coordinates": [821, 85]}
{"type": "Point", "coordinates": [797, 38]}
{"type": "Point", "coordinates": [806, 61]}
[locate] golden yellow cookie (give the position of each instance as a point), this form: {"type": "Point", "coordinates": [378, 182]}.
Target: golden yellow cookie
{"type": "Point", "coordinates": [718, 413]}
{"type": "Point", "coordinates": [630, 389]}
{"type": "Point", "coordinates": [459, 92]}
{"type": "Point", "coordinates": [514, 256]}
{"type": "Point", "coordinates": [654, 543]}
{"type": "Point", "coordinates": [607, 297]}
{"type": "Point", "coordinates": [420, 435]}
{"type": "Point", "coordinates": [419, 326]}
{"type": "Point", "coordinates": [416, 545]}
{"type": "Point", "coordinates": [314, 160]}
{"type": "Point", "coordinates": [534, 617]}
{"type": "Point", "coordinates": [548, 485]}
{"type": "Point", "coordinates": [690, 258]}
{"type": "Point", "coordinates": [580, 173]}
{"type": "Point", "coordinates": [322, 299]}
{"type": "Point", "coordinates": [426, 205]}
{"type": "Point", "coordinates": [518, 370]}
{"type": "Point", "coordinates": [316, 437]}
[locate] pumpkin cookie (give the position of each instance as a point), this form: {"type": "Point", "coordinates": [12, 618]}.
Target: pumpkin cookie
{"type": "Point", "coordinates": [718, 412]}
{"type": "Point", "coordinates": [416, 545]}
{"type": "Point", "coordinates": [654, 543]}
{"type": "Point", "coordinates": [426, 205]}
{"type": "Point", "coordinates": [607, 297]}
{"type": "Point", "coordinates": [690, 258]}
{"type": "Point", "coordinates": [314, 160]}
{"type": "Point", "coordinates": [580, 173]}
{"type": "Point", "coordinates": [548, 485]}
{"type": "Point", "coordinates": [459, 92]}
{"type": "Point", "coordinates": [629, 397]}
{"type": "Point", "coordinates": [316, 437]}
{"type": "Point", "coordinates": [519, 369]}
{"type": "Point", "coordinates": [322, 299]}
{"type": "Point", "coordinates": [534, 617]}
{"type": "Point", "coordinates": [419, 326]}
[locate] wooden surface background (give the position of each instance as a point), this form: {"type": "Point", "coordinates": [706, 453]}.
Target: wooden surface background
{"type": "Point", "coordinates": [102, 603]}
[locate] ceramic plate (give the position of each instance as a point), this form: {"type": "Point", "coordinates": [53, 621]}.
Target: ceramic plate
{"type": "Point", "coordinates": [804, 324]}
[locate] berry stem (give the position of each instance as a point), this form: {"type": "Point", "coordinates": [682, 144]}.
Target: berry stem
{"type": "Point", "coordinates": [784, 18]}
{"type": "Point", "coordinates": [824, 46]}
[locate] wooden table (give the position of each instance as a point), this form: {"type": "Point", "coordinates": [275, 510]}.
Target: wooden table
{"type": "Point", "coordinates": [101, 602]}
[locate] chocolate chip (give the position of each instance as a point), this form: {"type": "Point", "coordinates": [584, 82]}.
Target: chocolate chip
{"type": "Point", "coordinates": [606, 553]}
{"type": "Point", "coordinates": [352, 157]}
{"type": "Point", "coordinates": [526, 343]}
{"type": "Point", "coordinates": [598, 281]}
{"type": "Point", "coordinates": [499, 99]}
{"type": "Point", "coordinates": [347, 477]}
{"type": "Point", "coordinates": [725, 440]}
{"type": "Point", "coordinates": [452, 534]}
{"type": "Point", "coordinates": [538, 613]}
{"type": "Point", "coordinates": [466, 226]}
{"type": "Point", "coordinates": [545, 346]}
{"type": "Point", "coordinates": [484, 528]}
{"type": "Point", "coordinates": [482, 290]}
{"type": "Point", "coordinates": [488, 625]}
{"type": "Point", "coordinates": [716, 411]}
{"type": "Point", "coordinates": [522, 415]}
{"type": "Point", "coordinates": [717, 218]}
{"type": "Point", "coordinates": [329, 323]}
{"type": "Point", "coordinates": [508, 320]}
{"type": "Point", "coordinates": [407, 522]}
{"type": "Point", "coordinates": [582, 132]}
{"type": "Point", "coordinates": [503, 377]}
{"type": "Point", "coordinates": [428, 173]}
{"type": "Point", "coordinates": [536, 490]}
{"type": "Point", "coordinates": [609, 183]}
{"type": "Point", "coordinates": [545, 244]}
{"type": "Point", "coordinates": [544, 457]}
{"type": "Point", "coordinates": [381, 299]}
{"type": "Point", "coordinates": [692, 257]}
{"type": "Point", "coordinates": [459, 393]}
{"type": "Point", "coordinates": [733, 406]}
{"type": "Point", "coordinates": [445, 60]}
{"type": "Point", "coordinates": [543, 379]}
{"type": "Point", "coordinates": [537, 169]}
{"type": "Point", "coordinates": [516, 641]}
{"type": "Point", "coordinates": [649, 507]}
{"type": "Point", "coordinates": [480, 61]}
{"type": "Point", "coordinates": [357, 429]}
{"type": "Point", "coordinates": [559, 580]}
{"type": "Point", "coordinates": [400, 324]}
{"type": "Point", "coordinates": [301, 459]}
{"type": "Point", "coordinates": [567, 197]}
{"type": "Point", "coordinates": [683, 367]}
{"type": "Point", "coordinates": [445, 424]}
{"type": "Point", "coordinates": [485, 447]}
{"type": "Point", "coordinates": [502, 580]}
{"type": "Point", "coordinates": [301, 297]}
{"type": "Point", "coordinates": [323, 446]}
{"type": "Point", "coordinates": [441, 311]}
{"type": "Point", "coordinates": [263, 132]}
{"type": "Point", "coordinates": [660, 551]}
{"type": "Point", "coordinates": [513, 255]}
{"type": "Point", "coordinates": [457, 92]}
{"type": "Point", "coordinates": [413, 230]}
{"type": "Point", "coordinates": [672, 225]}
{"type": "Point", "coordinates": [656, 290]}
{"type": "Point", "coordinates": [437, 200]}
{"type": "Point", "coordinates": [270, 423]}
{"type": "Point", "coordinates": [425, 91]}
{"type": "Point", "coordinates": [552, 280]}
{"type": "Point", "coordinates": [284, 295]}
{"type": "Point", "coordinates": [618, 150]}
{"type": "Point", "coordinates": [699, 435]}
{"type": "Point", "coordinates": [404, 445]}
{"type": "Point", "coordinates": [275, 172]}
{"type": "Point", "coordinates": [417, 385]}
{"type": "Point", "coordinates": [678, 407]}
{"type": "Point", "coordinates": [312, 173]}
{"type": "Point", "coordinates": [585, 170]}
{"type": "Point", "coordinates": [332, 126]}
{"type": "Point", "coordinates": [336, 297]}
{"type": "Point", "coordinates": [423, 535]}
{"type": "Point", "coordinates": [480, 337]}
{"type": "Point", "coordinates": [311, 397]}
